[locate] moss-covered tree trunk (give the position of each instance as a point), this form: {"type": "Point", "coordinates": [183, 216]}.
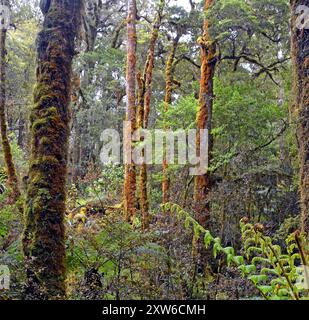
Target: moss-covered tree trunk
{"type": "Point", "coordinates": [169, 77]}
{"type": "Point", "coordinates": [130, 169]}
{"type": "Point", "coordinates": [142, 183]}
{"type": "Point", "coordinates": [204, 116]}
{"type": "Point", "coordinates": [8, 158]}
{"type": "Point", "coordinates": [145, 86]}
{"type": "Point", "coordinates": [44, 234]}
{"type": "Point", "coordinates": [300, 55]}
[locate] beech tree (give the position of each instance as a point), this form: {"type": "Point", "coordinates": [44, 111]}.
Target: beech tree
{"type": "Point", "coordinates": [144, 103]}
{"type": "Point", "coordinates": [204, 114]}
{"type": "Point", "coordinates": [130, 169]}
{"type": "Point", "coordinates": [300, 56]}
{"type": "Point", "coordinates": [43, 240]}
{"type": "Point", "coordinates": [167, 101]}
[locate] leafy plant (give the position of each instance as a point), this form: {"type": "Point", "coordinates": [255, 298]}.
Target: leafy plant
{"type": "Point", "coordinates": [278, 275]}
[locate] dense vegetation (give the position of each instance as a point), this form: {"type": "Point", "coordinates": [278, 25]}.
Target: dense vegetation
{"type": "Point", "coordinates": [73, 227]}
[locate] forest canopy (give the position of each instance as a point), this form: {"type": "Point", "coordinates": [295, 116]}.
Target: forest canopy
{"type": "Point", "coordinates": [154, 150]}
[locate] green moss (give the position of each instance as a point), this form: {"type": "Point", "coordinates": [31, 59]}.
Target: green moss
{"type": "Point", "coordinates": [49, 160]}
{"type": "Point", "coordinates": [43, 195]}
{"type": "Point", "coordinates": [38, 179]}
{"type": "Point", "coordinates": [45, 141]}
{"type": "Point", "coordinates": [51, 111]}
{"type": "Point", "coordinates": [51, 120]}
{"type": "Point", "coordinates": [45, 207]}
{"type": "Point", "coordinates": [38, 123]}
{"type": "Point", "coordinates": [40, 91]}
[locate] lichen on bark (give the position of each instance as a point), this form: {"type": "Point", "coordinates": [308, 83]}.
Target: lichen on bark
{"type": "Point", "coordinates": [204, 116]}
{"type": "Point", "coordinates": [144, 102]}
{"type": "Point", "coordinates": [129, 193]}
{"type": "Point", "coordinates": [169, 77]}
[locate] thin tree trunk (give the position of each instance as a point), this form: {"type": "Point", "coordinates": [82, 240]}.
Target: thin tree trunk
{"type": "Point", "coordinates": [143, 197]}
{"type": "Point", "coordinates": [8, 158]}
{"type": "Point", "coordinates": [300, 56]}
{"type": "Point", "coordinates": [204, 117]}
{"type": "Point", "coordinates": [21, 130]}
{"type": "Point", "coordinates": [145, 86]}
{"type": "Point", "coordinates": [167, 101]}
{"type": "Point", "coordinates": [44, 238]}
{"type": "Point", "coordinates": [130, 169]}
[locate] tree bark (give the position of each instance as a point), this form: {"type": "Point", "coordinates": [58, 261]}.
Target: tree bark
{"type": "Point", "coordinates": [167, 101]}
{"type": "Point", "coordinates": [8, 157]}
{"type": "Point", "coordinates": [143, 197]}
{"type": "Point", "coordinates": [204, 117]}
{"type": "Point", "coordinates": [145, 89]}
{"type": "Point", "coordinates": [130, 169]}
{"type": "Point", "coordinates": [300, 56]}
{"type": "Point", "coordinates": [44, 234]}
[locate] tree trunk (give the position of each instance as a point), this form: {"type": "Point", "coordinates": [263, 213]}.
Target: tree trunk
{"type": "Point", "coordinates": [204, 117]}
{"type": "Point", "coordinates": [167, 101]}
{"type": "Point", "coordinates": [300, 56]}
{"type": "Point", "coordinates": [21, 130]}
{"type": "Point", "coordinates": [130, 170]}
{"type": "Point", "coordinates": [44, 238]}
{"type": "Point", "coordinates": [145, 86]}
{"type": "Point", "coordinates": [8, 158]}
{"type": "Point", "coordinates": [143, 197]}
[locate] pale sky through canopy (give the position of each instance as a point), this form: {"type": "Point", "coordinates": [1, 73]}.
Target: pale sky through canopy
{"type": "Point", "coordinates": [184, 3]}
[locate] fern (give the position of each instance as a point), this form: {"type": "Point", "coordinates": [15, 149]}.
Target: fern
{"type": "Point", "coordinates": [275, 274]}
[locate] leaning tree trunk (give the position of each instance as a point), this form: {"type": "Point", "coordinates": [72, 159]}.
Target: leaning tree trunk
{"type": "Point", "coordinates": [300, 55]}
{"type": "Point", "coordinates": [130, 169]}
{"type": "Point", "coordinates": [44, 235]}
{"type": "Point", "coordinates": [204, 117]}
{"type": "Point", "coordinates": [8, 158]}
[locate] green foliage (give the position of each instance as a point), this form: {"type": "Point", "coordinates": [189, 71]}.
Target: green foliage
{"type": "Point", "coordinates": [10, 245]}
{"type": "Point", "coordinates": [274, 273]}
{"type": "Point", "coordinates": [180, 115]}
{"type": "Point", "coordinates": [107, 185]}
{"type": "Point", "coordinates": [257, 106]}
{"type": "Point", "coordinates": [120, 255]}
{"type": "Point", "coordinates": [248, 27]}
{"type": "Point", "coordinates": [18, 155]}
{"type": "Point", "coordinates": [247, 114]}
{"type": "Point", "coordinates": [289, 225]}
{"type": "Point", "coordinates": [278, 267]}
